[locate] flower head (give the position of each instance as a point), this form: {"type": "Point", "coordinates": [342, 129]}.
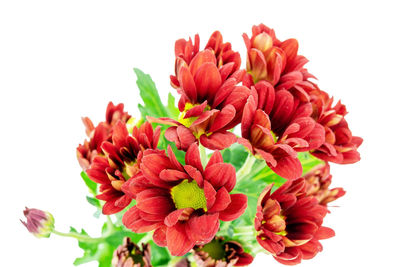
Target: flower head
{"type": "Point", "coordinates": [183, 204]}
{"type": "Point", "coordinates": [39, 223]}
{"type": "Point", "coordinates": [221, 253]}
{"type": "Point", "coordinates": [97, 135]}
{"type": "Point", "coordinates": [340, 145]}
{"type": "Point", "coordinates": [268, 58]}
{"type": "Point", "coordinates": [318, 181]}
{"type": "Point", "coordinates": [275, 126]}
{"type": "Point", "coordinates": [130, 255]}
{"type": "Point", "coordinates": [289, 223]}
{"type": "Point", "coordinates": [211, 102]}
{"type": "Point", "coordinates": [120, 162]}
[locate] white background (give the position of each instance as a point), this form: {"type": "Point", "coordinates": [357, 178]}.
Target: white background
{"type": "Point", "coordinates": [60, 60]}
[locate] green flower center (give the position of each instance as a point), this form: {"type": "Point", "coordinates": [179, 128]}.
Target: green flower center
{"type": "Point", "coordinates": [215, 250]}
{"type": "Point", "coordinates": [189, 195]}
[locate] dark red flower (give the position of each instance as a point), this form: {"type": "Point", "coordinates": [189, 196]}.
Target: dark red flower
{"type": "Point", "coordinates": [39, 223]}
{"type": "Point", "coordinates": [120, 162]}
{"type": "Point", "coordinates": [211, 102]}
{"type": "Point", "coordinates": [318, 181]}
{"type": "Point", "coordinates": [340, 145]}
{"type": "Point", "coordinates": [276, 125]}
{"type": "Point", "coordinates": [97, 135]}
{"type": "Point", "coordinates": [221, 253]}
{"type": "Point", "coordinates": [130, 255]}
{"type": "Point", "coordinates": [183, 204]}
{"type": "Point", "coordinates": [289, 223]}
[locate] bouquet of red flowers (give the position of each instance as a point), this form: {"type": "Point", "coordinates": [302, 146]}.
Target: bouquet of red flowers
{"type": "Point", "coordinates": [238, 167]}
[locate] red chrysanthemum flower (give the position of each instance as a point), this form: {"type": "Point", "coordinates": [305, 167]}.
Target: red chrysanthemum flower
{"type": "Point", "coordinates": [183, 204]}
{"type": "Point", "coordinates": [269, 59]}
{"type": "Point", "coordinates": [120, 162]}
{"type": "Point", "coordinates": [276, 125]}
{"type": "Point", "coordinates": [97, 135]}
{"type": "Point", "coordinates": [211, 102]}
{"type": "Point", "coordinates": [289, 223]}
{"type": "Point", "coordinates": [318, 181]}
{"type": "Point", "coordinates": [221, 253]}
{"type": "Point", "coordinates": [340, 145]}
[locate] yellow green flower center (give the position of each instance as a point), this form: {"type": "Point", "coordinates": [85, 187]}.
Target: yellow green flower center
{"type": "Point", "coordinates": [215, 250]}
{"type": "Point", "coordinates": [189, 121]}
{"type": "Point", "coordinates": [189, 195]}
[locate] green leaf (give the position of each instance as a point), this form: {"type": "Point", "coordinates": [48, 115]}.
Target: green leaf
{"type": "Point", "coordinates": [159, 255]}
{"type": "Point", "coordinates": [308, 161]}
{"type": "Point", "coordinates": [149, 94]}
{"type": "Point", "coordinates": [93, 201]}
{"type": "Point", "coordinates": [236, 155]}
{"type": "Point", "coordinates": [172, 108]}
{"type": "Point", "coordinates": [92, 186]}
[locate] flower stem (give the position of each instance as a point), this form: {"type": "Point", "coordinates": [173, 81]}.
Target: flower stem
{"type": "Point", "coordinates": [246, 168]}
{"type": "Point", "coordinates": [203, 155]}
{"type": "Point", "coordinates": [80, 237]}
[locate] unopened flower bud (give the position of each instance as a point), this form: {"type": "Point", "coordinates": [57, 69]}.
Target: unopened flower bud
{"type": "Point", "coordinates": [130, 255]}
{"type": "Point", "coordinates": [39, 223]}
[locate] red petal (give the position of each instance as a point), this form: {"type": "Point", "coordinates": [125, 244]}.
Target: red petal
{"type": "Point", "coordinates": [202, 229]}
{"type": "Point", "coordinates": [222, 200]}
{"type": "Point", "coordinates": [159, 236]}
{"type": "Point", "coordinates": [216, 157]}
{"type": "Point", "coordinates": [218, 140]}
{"type": "Point", "coordinates": [235, 209]}
{"type": "Point", "coordinates": [221, 175]}
{"type": "Point", "coordinates": [132, 220]}
{"type": "Point", "coordinates": [207, 80]}
{"type": "Point", "coordinates": [224, 117]}
{"type": "Point", "coordinates": [288, 167]}
{"type": "Point", "coordinates": [187, 84]}
{"type": "Point", "coordinates": [178, 215]}
{"type": "Point", "coordinates": [178, 242]}
{"type": "Point", "coordinates": [192, 157]}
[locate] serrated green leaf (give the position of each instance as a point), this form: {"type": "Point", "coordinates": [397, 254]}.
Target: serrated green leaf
{"type": "Point", "coordinates": [149, 94]}
{"type": "Point", "coordinates": [92, 186]}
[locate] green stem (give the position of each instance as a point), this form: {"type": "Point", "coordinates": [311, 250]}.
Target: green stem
{"type": "Point", "coordinates": [203, 155]}
{"type": "Point", "coordinates": [80, 237]}
{"type": "Point", "coordinates": [246, 168]}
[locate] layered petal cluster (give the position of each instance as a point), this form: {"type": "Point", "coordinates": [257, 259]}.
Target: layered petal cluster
{"type": "Point", "coordinates": [221, 253]}
{"type": "Point", "coordinates": [183, 204]}
{"type": "Point", "coordinates": [97, 135]}
{"type": "Point", "coordinates": [289, 223]}
{"type": "Point", "coordinates": [274, 61]}
{"type": "Point", "coordinates": [130, 254]}
{"type": "Point", "coordinates": [318, 181]}
{"type": "Point", "coordinates": [211, 102]}
{"type": "Point", "coordinates": [276, 125]}
{"type": "Point", "coordinates": [340, 145]}
{"type": "Point", "coordinates": [120, 162]}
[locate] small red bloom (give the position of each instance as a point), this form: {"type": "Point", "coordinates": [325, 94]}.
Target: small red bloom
{"type": "Point", "coordinates": [289, 223]}
{"type": "Point", "coordinates": [318, 181]}
{"type": "Point", "coordinates": [183, 204]}
{"type": "Point", "coordinates": [269, 59]}
{"type": "Point", "coordinates": [102, 132]}
{"type": "Point", "coordinates": [120, 162]}
{"type": "Point", "coordinates": [220, 253]}
{"type": "Point", "coordinates": [211, 102]}
{"type": "Point", "coordinates": [340, 145]}
{"type": "Point", "coordinates": [276, 125]}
